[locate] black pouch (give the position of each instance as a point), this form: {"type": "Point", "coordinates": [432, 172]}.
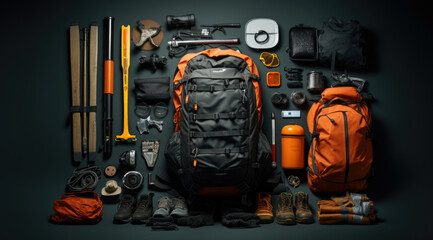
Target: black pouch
{"type": "Point", "coordinates": [152, 89]}
{"type": "Point", "coordinates": [303, 45]}
{"type": "Point", "coordinates": [342, 44]}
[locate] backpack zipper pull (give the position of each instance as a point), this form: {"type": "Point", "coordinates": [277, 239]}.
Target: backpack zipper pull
{"type": "Point", "coordinates": [330, 119]}
{"type": "Point", "coordinates": [195, 152]}
{"type": "Point", "coordinates": [244, 95]}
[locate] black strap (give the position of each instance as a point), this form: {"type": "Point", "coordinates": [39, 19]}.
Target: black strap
{"type": "Point", "coordinates": [218, 134]}
{"type": "Point", "coordinates": [243, 187]}
{"type": "Point", "coordinates": [216, 116]}
{"type": "Point", "coordinates": [339, 101]}
{"type": "Point", "coordinates": [82, 109]}
{"type": "Point", "coordinates": [220, 150]}
{"type": "Point", "coordinates": [214, 88]}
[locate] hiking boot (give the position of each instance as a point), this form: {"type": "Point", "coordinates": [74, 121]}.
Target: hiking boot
{"type": "Point", "coordinates": [164, 207]}
{"type": "Point", "coordinates": [303, 211]}
{"type": "Point", "coordinates": [285, 214]}
{"type": "Point", "coordinates": [264, 208]}
{"type": "Point", "coordinates": [179, 208]}
{"type": "Point", "coordinates": [125, 209]}
{"type": "Point", "coordinates": [144, 209]}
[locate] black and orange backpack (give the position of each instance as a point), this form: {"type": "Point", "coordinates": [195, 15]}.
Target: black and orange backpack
{"type": "Point", "coordinates": [341, 153]}
{"type": "Point", "coordinates": [217, 147]}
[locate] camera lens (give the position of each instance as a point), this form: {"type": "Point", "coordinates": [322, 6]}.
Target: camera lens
{"type": "Point", "coordinates": [132, 180]}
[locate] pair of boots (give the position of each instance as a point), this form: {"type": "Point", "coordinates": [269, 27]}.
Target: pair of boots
{"type": "Point", "coordinates": [174, 207]}
{"type": "Point", "coordinates": [135, 210]}
{"type": "Point", "coordinates": [286, 210]}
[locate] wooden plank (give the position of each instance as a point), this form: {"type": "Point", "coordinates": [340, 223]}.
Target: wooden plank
{"type": "Point", "coordinates": [93, 69]}
{"type": "Point", "coordinates": [75, 86]}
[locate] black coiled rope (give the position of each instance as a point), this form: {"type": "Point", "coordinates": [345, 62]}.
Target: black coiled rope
{"type": "Point", "coordinates": [84, 179]}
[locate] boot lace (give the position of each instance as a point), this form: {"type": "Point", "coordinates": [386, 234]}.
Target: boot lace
{"type": "Point", "coordinates": [264, 205]}
{"type": "Point", "coordinates": [285, 203]}
{"type": "Point", "coordinates": [125, 203]}
{"type": "Point", "coordinates": [179, 203]}
{"type": "Point", "coordinates": [142, 203]}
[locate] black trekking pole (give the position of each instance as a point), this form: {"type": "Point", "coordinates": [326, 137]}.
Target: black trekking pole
{"type": "Point", "coordinates": [108, 86]}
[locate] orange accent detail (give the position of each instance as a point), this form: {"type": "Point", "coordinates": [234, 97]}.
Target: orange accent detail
{"type": "Point", "coordinates": [215, 52]}
{"type": "Point", "coordinates": [195, 107]}
{"type": "Point", "coordinates": [194, 163]}
{"type": "Point", "coordinates": [108, 76]}
{"type": "Point", "coordinates": [186, 98]}
{"type": "Point", "coordinates": [273, 79]}
{"type": "Point", "coordinates": [219, 191]}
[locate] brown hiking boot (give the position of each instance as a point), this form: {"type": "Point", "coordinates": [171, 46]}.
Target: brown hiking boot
{"type": "Point", "coordinates": [303, 211]}
{"type": "Point", "coordinates": [285, 214]}
{"type": "Point", "coordinates": [264, 208]}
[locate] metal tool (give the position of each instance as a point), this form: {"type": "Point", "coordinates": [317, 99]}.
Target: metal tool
{"type": "Point", "coordinates": [146, 34]}
{"type": "Point", "coordinates": [220, 27]}
{"type": "Point", "coordinates": [274, 160]}
{"type": "Point", "coordinates": [183, 43]}
{"type": "Point", "coordinates": [175, 43]}
{"type": "Point", "coordinates": [126, 36]}
{"type": "Point", "coordinates": [291, 114]}
{"type": "Point", "coordinates": [143, 125]}
{"type": "Point", "coordinates": [150, 149]}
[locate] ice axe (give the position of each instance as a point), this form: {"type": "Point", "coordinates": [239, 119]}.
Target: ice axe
{"type": "Point", "coordinates": [126, 36]}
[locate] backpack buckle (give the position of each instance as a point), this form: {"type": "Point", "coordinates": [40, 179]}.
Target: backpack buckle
{"type": "Point", "coordinates": [242, 85]}
{"type": "Point", "coordinates": [226, 82]}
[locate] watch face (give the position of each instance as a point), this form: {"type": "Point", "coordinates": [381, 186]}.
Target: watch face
{"type": "Point", "coordinates": [110, 171]}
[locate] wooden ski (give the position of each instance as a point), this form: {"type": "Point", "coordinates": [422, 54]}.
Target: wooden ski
{"type": "Point", "coordinates": [74, 39]}
{"type": "Point", "coordinates": [93, 69]}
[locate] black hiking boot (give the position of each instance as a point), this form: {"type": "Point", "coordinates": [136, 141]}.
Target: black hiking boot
{"type": "Point", "coordinates": [125, 209]}
{"type": "Point", "coordinates": [144, 209]}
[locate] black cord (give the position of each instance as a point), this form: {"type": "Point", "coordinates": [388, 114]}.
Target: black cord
{"type": "Point", "coordinates": [84, 179]}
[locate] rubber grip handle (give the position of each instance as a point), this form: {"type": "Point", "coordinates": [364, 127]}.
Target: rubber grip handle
{"type": "Point", "coordinates": [108, 76]}
{"type": "Point", "coordinates": [274, 161]}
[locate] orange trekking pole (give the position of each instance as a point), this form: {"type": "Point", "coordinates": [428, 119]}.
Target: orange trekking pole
{"type": "Point", "coordinates": [126, 36]}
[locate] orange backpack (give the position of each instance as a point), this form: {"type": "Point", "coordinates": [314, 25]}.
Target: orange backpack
{"type": "Point", "coordinates": [341, 154]}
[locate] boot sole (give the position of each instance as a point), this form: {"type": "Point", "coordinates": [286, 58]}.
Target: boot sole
{"type": "Point", "coordinates": [122, 220]}
{"type": "Point", "coordinates": [265, 219]}
{"type": "Point", "coordinates": [140, 221]}
{"type": "Point", "coordinates": [290, 222]}
{"type": "Point", "coordinates": [304, 220]}
{"type": "Point", "coordinates": [286, 221]}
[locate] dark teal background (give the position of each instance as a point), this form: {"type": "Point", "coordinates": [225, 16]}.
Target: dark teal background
{"type": "Point", "coordinates": [35, 100]}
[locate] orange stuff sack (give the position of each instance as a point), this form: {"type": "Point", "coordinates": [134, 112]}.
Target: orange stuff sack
{"type": "Point", "coordinates": [77, 208]}
{"type": "Point", "coordinates": [341, 154]}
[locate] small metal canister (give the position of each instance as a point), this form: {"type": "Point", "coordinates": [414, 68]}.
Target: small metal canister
{"type": "Point", "coordinates": [315, 82]}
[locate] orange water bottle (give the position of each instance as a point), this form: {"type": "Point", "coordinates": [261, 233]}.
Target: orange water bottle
{"type": "Point", "coordinates": [292, 147]}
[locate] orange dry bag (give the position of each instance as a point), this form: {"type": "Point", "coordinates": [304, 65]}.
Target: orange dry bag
{"type": "Point", "coordinates": [77, 208]}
